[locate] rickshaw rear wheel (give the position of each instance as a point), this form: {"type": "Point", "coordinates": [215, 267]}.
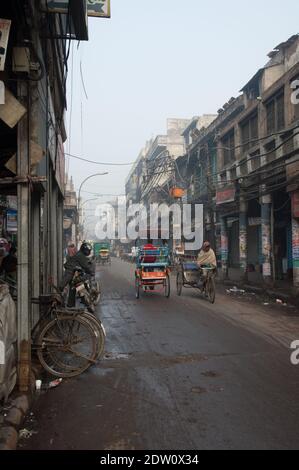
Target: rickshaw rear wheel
{"type": "Point", "coordinates": [179, 283]}
{"type": "Point", "coordinates": [137, 288]}
{"type": "Point", "coordinates": [167, 286]}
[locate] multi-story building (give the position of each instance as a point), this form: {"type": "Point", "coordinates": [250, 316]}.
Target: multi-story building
{"type": "Point", "coordinates": [152, 176]}
{"type": "Point", "coordinates": [160, 161]}
{"type": "Point", "coordinates": [244, 168]}
{"type": "Point", "coordinates": [70, 212]}
{"type": "Point", "coordinates": [257, 189]}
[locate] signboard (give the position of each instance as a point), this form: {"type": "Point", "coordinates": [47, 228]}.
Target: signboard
{"type": "Point", "coordinates": [295, 243]}
{"type": "Point", "coordinates": [67, 223]}
{"type": "Point", "coordinates": [295, 204]}
{"type": "Point", "coordinates": [11, 221]}
{"type": "Point", "coordinates": [4, 35]}
{"type": "Point", "coordinates": [254, 221]}
{"type": "Point", "coordinates": [12, 111]}
{"type": "Point", "coordinates": [226, 195]}
{"type": "Point", "coordinates": [98, 8]}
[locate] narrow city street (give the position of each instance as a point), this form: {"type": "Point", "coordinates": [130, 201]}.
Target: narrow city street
{"type": "Point", "coordinates": [177, 374]}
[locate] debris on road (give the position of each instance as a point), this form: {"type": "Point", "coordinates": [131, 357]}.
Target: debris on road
{"type": "Point", "coordinates": [38, 385]}
{"type": "Point", "coordinates": [235, 290]}
{"type": "Point", "coordinates": [26, 433]}
{"type": "Point", "coordinates": [54, 383]}
{"type": "Point", "coordinates": [198, 390]}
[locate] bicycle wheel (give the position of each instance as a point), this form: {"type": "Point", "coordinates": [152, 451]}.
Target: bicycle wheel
{"type": "Point", "coordinates": [167, 287]}
{"type": "Point", "coordinates": [210, 290]}
{"type": "Point", "coordinates": [100, 339]}
{"type": "Point", "coordinates": [179, 283]}
{"type": "Point", "coordinates": [67, 346]}
{"type": "Point", "coordinates": [99, 331]}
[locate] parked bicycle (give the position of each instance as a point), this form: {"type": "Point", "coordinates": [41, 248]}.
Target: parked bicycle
{"type": "Point", "coordinates": [67, 341]}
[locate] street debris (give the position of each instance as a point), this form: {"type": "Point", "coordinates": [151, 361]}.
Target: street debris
{"type": "Point", "coordinates": [26, 433]}
{"type": "Point", "coordinates": [54, 383]}
{"type": "Point", "coordinates": [38, 385]}
{"type": "Point", "coordinates": [279, 301]}
{"type": "Point", "coordinates": [235, 290]}
{"type": "Point", "coordinates": [198, 390]}
{"type": "Point", "coordinates": [210, 374]}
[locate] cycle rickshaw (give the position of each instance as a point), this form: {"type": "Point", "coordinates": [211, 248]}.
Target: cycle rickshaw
{"type": "Point", "coordinates": [152, 271]}
{"type": "Point", "coordinates": [191, 276]}
{"type": "Point", "coordinates": [102, 253]}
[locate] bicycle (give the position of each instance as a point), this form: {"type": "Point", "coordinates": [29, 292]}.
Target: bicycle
{"type": "Point", "coordinates": [67, 341]}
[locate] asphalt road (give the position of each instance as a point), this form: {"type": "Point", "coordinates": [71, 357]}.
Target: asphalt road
{"type": "Point", "coordinates": [177, 374]}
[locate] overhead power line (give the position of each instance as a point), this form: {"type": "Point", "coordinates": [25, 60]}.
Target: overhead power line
{"type": "Point", "coordinates": [98, 163]}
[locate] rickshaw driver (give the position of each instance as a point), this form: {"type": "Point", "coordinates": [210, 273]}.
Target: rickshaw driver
{"type": "Point", "coordinates": [206, 258]}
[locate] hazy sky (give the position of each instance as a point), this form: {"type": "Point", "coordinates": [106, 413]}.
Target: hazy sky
{"type": "Point", "coordinates": [153, 60]}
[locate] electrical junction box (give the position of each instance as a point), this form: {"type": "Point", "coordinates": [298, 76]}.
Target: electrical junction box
{"type": "Point", "coordinates": [21, 59]}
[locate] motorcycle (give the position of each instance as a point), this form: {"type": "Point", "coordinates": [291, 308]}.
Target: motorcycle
{"type": "Point", "coordinates": [84, 288]}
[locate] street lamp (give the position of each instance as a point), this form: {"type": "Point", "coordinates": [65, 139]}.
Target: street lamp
{"type": "Point", "coordinates": [79, 196]}
{"type": "Point", "coordinates": [90, 200]}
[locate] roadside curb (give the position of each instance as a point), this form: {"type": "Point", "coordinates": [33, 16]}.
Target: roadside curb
{"type": "Point", "coordinates": [9, 429]}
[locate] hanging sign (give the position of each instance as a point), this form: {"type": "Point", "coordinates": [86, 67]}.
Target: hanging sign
{"type": "Point", "coordinates": [225, 195]}
{"type": "Point", "coordinates": [98, 8]}
{"type": "Point", "coordinates": [4, 35]}
{"type": "Point", "coordinates": [295, 204]}
{"type": "Point", "coordinates": [11, 221]}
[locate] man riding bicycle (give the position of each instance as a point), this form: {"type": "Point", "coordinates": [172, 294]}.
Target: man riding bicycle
{"type": "Point", "coordinates": [206, 259]}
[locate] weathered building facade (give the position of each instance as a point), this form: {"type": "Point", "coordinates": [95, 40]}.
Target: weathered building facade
{"type": "Point", "coordinates": [32, 132]}
{"type": "Point", "coordinates": [244, 168]}
{"type": "Point", "coordinates": [257, 175]}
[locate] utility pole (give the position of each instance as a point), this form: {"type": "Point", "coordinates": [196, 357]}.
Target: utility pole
{"type": "Point", "coordinates": [79, 200]}
{"type": "Point", "coordinates": [23, 192]}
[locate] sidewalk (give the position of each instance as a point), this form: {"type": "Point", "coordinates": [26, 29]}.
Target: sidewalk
{"type": "Point", "coordinates": [282, 291]}
{"type": "Point", "coordinates": [261, 312]}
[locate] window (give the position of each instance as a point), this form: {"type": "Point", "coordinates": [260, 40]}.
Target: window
{"type": "Point", "coordinates": [197, 180]}
{"type": "Point", "coordinates": [255, 160]}
{"type": "Point", "coordinates": [249, 132]}
{"type": "Point", "coordinates": [288, 141]}
{"type": "Point", "coordinates": [270, 150]}
{"type": "Point", "coordinates": [228, 143]}
{"type": "Point", "coordinates": [275, 113]}
{"type": "Point", "coordinates": [233, 175]}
